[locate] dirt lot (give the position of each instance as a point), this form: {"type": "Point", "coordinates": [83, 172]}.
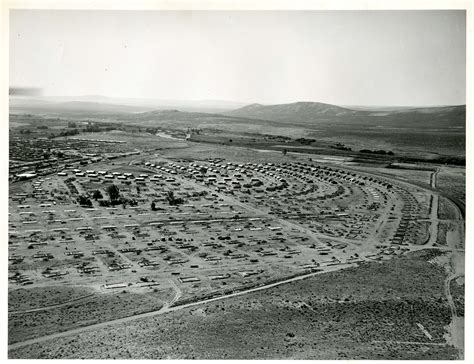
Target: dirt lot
{"type": "Point", "coordinates": [360, 313]}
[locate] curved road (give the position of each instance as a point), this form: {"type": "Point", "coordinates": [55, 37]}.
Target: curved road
{"type": "Point", "coordinates": [447, 292]}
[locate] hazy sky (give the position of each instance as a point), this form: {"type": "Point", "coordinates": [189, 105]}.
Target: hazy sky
{"type": "Point", "coordinates": [340, 57]}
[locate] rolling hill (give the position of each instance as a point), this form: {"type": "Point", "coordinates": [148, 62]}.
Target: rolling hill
{"type": "Point", "coordinates": [70, 108]}
{"type": "Point", "coordinates": [316, 113]}
{"type": "Point", "coordinates": [399, 129]}
{"type": "Point", "coordinates": [309, 115]}
{"type": "Point", "coordinates": [98, 103]}
{"type": "Point", "coordinates": [185, 119]}
{"type": "Point", "coordinates": [298, 111]}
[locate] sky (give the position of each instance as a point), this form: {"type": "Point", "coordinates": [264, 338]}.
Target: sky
{"type": "Point", "coordinates": [371, 58]}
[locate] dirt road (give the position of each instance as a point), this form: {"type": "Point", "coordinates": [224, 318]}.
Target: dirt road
{"type": "Point", "coordinates": [45, 308]}
{"type": "Point", "coordinates": [447, 292]}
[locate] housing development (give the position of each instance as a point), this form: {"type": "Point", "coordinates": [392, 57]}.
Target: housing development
{"type": "Point", "coordinates": [102, 219]}
{"type": "Point", "coordinates": [236, 185]}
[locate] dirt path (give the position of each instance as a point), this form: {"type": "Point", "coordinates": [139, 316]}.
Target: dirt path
{"type": "Point", "coordinates": [409, 343]}
{"type": "Point", "coordinates": [178, 293]}
{"type": "Point", "coordinates": [424, 331]}
{"type": "Point", "coordinates": [433, 229]}
{"type": "Point", "coordinates": [166, 309]}
{"type": "Point", "coordinates": [447, 292]}
{"type": "Point", "coordinates": [434, 175]}
{"type": "Point", "coordinates": [45, 308]}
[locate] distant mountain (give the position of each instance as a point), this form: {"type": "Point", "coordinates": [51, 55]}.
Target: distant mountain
{"type": "Point", "coordinates": [99, 107]}
{"type": "Point", "coordinates": [60, 103]}
{"type": "Point", "coordinates": [314, 113]}
{"type": "Point", "coordinates": [298, 111]}
{"type": "Point", "coordinates": [306, 115]}
{"type": "Point", "coordinates": [70, 108]}
{"type": "Point", "coordinates": [400, 108]}
{"type": "Point", "coordinates": [170, 115]}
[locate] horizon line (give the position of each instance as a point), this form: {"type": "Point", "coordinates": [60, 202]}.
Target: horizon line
{"type": "Point", "coordinates": [246, 103]}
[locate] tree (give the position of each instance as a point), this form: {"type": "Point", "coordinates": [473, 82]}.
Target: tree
{"type": "Point", "coordinates": [153, 206]}
{"type": "Point", "coordinates": [104, 203]}
{"type": "Point", "coordinates": [170, 196]}
{"type": "Point", "coordinates": [114, 192]}
{"type": "Point", "coordinates": [172, 200]}
{"type": "Point", "coordinates": [97, 195]}
{"type": "Point", "coordinates": [84, 201]}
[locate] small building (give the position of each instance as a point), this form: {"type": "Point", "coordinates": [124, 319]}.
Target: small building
{"type": "Point", "coordinates": [115, 285]}
{"type": "Point", "coordinates": [188, 279]}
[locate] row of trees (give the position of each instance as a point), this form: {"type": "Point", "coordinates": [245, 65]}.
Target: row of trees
{"type": "Point", "coordinates": [115, 198]}
{"type": "Point", "coordinates": [114, 195]}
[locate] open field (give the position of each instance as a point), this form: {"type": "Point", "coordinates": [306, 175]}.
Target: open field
{"type": "Point", "coordinates": [410, 175]}
{"type": "Point", "coordinates": [453, 181]}
{"type": "Point", "coordinates": [446, 209]}
{"type": "Point", "coordinates": [401, 140]}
